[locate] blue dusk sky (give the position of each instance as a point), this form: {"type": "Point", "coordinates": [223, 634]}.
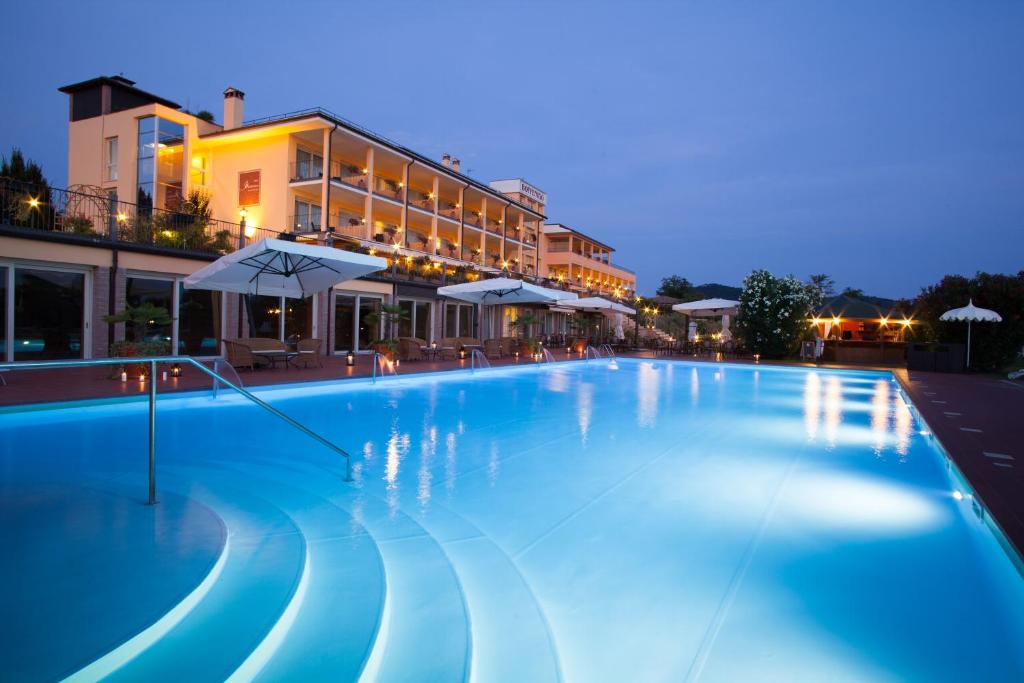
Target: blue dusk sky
{"type": "Point", "coordinates": [879, 142]}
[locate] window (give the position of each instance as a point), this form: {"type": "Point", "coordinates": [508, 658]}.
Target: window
{"type": "Point", "coordinates": [344, 322]}
{"type": "Point", "coordinates": [298, 318]}
{"type": "Point", "coordinates": [142, 291]}
{"type": "Point", "coordinates": [111, 157]}
{"type": "Point", "coordinates": [3, 314]}
{"type": "Point", "coordinates": [307, 216]}
{"type": "Point", "coordinates": [308, 165]}
{"type": "Point", "coordinates": [160, 169]}
{"type": "Point", "coordinates": [199, 323]}
{"type": "Point", "coordinates": [459, 320]}
{"type": "Point", "coordinates": [369, 321]}
{"type": "Point", "coordinates": [49, 314]}
{"type": "Point", "coordinates": [417, 323]}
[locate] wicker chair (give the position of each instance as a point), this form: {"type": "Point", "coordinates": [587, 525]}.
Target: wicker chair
{"type": "Point", "coordinates": [310, 351]}
{"type": "Point", "coordinates": [449, 348]}
{"type": "Point", "coordinates": [492, 348]}
{"type": "Point", "coordinates": [409, 348]}
{"type": "Point", "coordinates": [509, 345]}
{"type": "Point", "coordinates": [240, 355]}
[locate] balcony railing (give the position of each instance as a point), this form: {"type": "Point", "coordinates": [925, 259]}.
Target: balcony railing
{"type": "Point", "coordinates": [385, 187]}
{"type": "Point", "coordinates": [421, 199]}
{"type": "Point", "coordinates": [300, 171]}
{"type": "Point", "coordinates": [474, 219]}
{"type": "Point", "coordinates": [348, 174]}
{"type": "Point", "coordinates": [492, 225]}
{"type": "Point", "coordinates": [449, 209]}
{"type": "Point", "coordinates": [305, 223]}
{"type": "Point", "coordinates": [66, 212]}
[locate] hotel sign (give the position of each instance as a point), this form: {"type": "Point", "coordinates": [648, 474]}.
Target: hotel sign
{"type": "Point", "coordinates": [520, 186]}
{"type": "Point", "coordinates": [532, 192]}
{"type": "Point", "coordinates": [248, 188]}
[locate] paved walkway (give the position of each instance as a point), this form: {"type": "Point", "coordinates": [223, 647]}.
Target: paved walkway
{"type": "Point", "coordinates": [980, 421]}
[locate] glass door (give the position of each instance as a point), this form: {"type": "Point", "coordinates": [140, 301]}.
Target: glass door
{"type": "Point", "coordinates": [369, 321]}
{"type": "Point", "coordinates": [344, 322]}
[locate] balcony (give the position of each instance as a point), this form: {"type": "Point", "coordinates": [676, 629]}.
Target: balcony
{"type": "Point", "coordinates": [305, 223]}
{"type": "Point", "coordinates": [421, 200]}
{"type": "Point", "coordinates": [492, 225]}
{"type": "Point", "coordinates": [474, 219]}
{"type": "Point", "coordinates": [449, 210]}
{"type": "Point", "coordinates": [348, 174]}
{"type": "Point", "coordinates": [349, 224]}
{"type": "Point", "coordinates": [83, 218]}
{"type": "Point", "coordinates": [385, 187]}
{"type": "Point", "coordinates": [303, 171]}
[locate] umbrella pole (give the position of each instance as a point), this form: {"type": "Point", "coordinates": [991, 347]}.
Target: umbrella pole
{"type": "Point", "coordinates": [968, 343]}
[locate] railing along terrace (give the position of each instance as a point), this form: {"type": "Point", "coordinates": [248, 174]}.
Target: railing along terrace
{"type": "Point", "coordinates": [386, 187]}
{"type": "Point", "coordinates": [421, 199]}
{"type": "Point", "coordinates": [69, 212]}
{"type": "Point", "coordinates": [348, 174]}
{"type": "Point", "coordinates": [299, 171]}
{"type": "Point", "coordinates": [448, 209]}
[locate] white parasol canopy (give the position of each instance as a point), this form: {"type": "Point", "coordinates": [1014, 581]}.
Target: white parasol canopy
{"type": "Point", "coordinates": [279, 267]}
{"type": "Point", "coordinates": [596, 303]}
{"type": "Point", "coordinates": [504, 290]}
{"type": "Point", "coordinates": [971, 313]}
{"type": "Point", "coordinates": [709, 308]}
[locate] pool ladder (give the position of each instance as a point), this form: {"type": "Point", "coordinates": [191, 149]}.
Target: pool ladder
{"type": "Point", "coordinates": [152, 362]}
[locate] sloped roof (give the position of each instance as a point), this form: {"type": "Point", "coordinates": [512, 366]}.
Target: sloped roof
{"type": "Point", "coordinates": [848, 307]}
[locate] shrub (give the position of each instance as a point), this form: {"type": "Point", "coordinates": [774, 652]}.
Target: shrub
{"type": "Point", "coordinates": [774, 313]}
{"type": "Point", "coordinates": [993, 345]}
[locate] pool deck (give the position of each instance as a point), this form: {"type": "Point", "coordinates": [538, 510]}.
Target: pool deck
{"type": "Point", "coordinates": [977, 418]}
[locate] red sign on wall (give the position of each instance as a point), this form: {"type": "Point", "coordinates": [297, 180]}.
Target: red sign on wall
{"type": "Point", "coordinates": [248, 188]}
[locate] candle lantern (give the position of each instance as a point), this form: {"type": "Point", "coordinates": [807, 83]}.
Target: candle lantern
{"type": "Point", "coordinates": [462, 354]}
{"type": "Point", "coordinates": [350, 359]}
{"type": "Point", "coordinates": [176, 370]}
{"type": "Point", "coordinates": [124, 375]}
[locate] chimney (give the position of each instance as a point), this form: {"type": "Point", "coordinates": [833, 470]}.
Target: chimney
{"type": "Point", "coordinates": [234, 100]}
{"type": "Point", "coordinates": [446, 159]}
{"type": "Point", "coordinates": [455, 165]}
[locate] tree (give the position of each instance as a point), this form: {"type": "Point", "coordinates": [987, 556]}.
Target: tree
{"type": "Point", "coordinates": [678, 287]}
{"type": "Point", "coordinates": [993, 345]}
{"type": "Point", "coordinates": [825, 285]}
{"type": "Point", "coordinates": [18, 168]}
{"type": "Point", "coordinates": [774, 313]}
{"type": "Point", "coordinates": [139, 319]}
{"type": "Point", "coordinates": [854, 293]}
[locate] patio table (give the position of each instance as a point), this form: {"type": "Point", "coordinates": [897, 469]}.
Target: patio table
{"type": "Point", "coordinates": [286, 357]}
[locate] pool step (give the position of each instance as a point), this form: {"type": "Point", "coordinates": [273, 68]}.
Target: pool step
{"type": "Point", "coordinates": [507, 620]}
{"type": "Point", "coordinates": [261, 577]}
{"type": "Point", "coordinates": [336, 625]}
{"type": "Point", "coordinates": [425, 632]}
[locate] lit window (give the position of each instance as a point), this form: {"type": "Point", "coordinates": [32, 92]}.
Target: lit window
{"type": "Point", "coordinates": [110, 152]}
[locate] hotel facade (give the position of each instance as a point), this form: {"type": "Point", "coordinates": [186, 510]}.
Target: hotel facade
{"type": "Point", "coordinates": [155, 192]}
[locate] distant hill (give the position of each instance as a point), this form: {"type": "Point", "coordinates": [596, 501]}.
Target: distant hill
{"type": "Point", "coordinates": [713, 290]}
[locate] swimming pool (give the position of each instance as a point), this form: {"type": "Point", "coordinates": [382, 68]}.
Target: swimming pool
{"type": "Point", "coordinates": [625, 521]}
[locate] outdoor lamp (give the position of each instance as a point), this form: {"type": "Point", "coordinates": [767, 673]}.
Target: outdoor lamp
{"type": "Point", "coordinates": [176, 370]}
{"type": "Point", "coordinates": [350, 359]}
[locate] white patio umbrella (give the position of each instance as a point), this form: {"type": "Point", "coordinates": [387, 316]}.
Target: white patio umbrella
{"type": "Point", "coordinates": [971, 313]}
{"type": "Point", "coordinates": [504, 290]}
{"type": "Point", "coordinates": [711, 308]}
{"type": "Point", "coordinates": [282, 268]}
{"type": "Point", "coordinates": [596, 303]}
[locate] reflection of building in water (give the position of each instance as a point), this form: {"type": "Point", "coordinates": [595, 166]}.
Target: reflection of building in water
{"type": "Point", "coordinates": [833, 409]}
{"type": "Point", "coordinates": [647, 394]}
{"type": "Point", "coordinates": [584, 409]}
{"type": "Point", "coordinates": [880, 415]}
{"type": "Point", "coordinates": [812, 405]}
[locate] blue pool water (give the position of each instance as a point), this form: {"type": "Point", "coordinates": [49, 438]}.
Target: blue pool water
{"type": "Point", "coordinates": [632, 521]}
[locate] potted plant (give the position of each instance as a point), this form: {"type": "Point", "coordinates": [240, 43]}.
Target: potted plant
{"type": "Point", "coordinates": [524, 325]}
{"type": "Point", "coordinates": [140, 320]}
{"type": "Point", "coordinates": [390, 315]}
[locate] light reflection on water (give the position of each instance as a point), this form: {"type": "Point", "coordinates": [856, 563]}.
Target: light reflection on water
{"type": "Point", "coordinates": [584, 409]}
{"type": "Point", "coordinates": [648, 382]}
{"type": "Point", "coordinates": [812, 405]}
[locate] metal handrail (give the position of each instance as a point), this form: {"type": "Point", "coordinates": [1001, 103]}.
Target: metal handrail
{"type": "Point", "coordinates": [152, 362]}
{"type": "Point", "coordinates": [376, 364]}
{"type": "Point", "coordinates": [586, 353]}
{"type": "Point", "coordinates": [607, 348]}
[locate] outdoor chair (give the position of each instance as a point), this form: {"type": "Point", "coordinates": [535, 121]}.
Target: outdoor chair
{"type": "Point", "coordinates": [492, 348]}
{"type": "Point", "coordinates": [410, 348]}
{"type": "Point", "coordinates": [309, 351]}
{"type": "Point", "coordinates": [509, 345]}
{"type": "Point", "coordinates": [240, 355]}
{"type": "Point", "coordinates": [449, 347]}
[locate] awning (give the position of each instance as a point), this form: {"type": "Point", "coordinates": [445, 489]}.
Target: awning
{"type": "Point", "coordinates": [281, 268]}
{"type": "Point", "coordinates": [708, 308]}
{"type": "Point", "coordinates": [503, 290]}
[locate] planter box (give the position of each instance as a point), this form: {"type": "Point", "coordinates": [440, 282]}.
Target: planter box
{"type": "Point", "coordinates": [936, 357]}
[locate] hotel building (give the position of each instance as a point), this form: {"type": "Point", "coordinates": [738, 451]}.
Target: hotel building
{"type": "Point", "coordinates": [155, 192]}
